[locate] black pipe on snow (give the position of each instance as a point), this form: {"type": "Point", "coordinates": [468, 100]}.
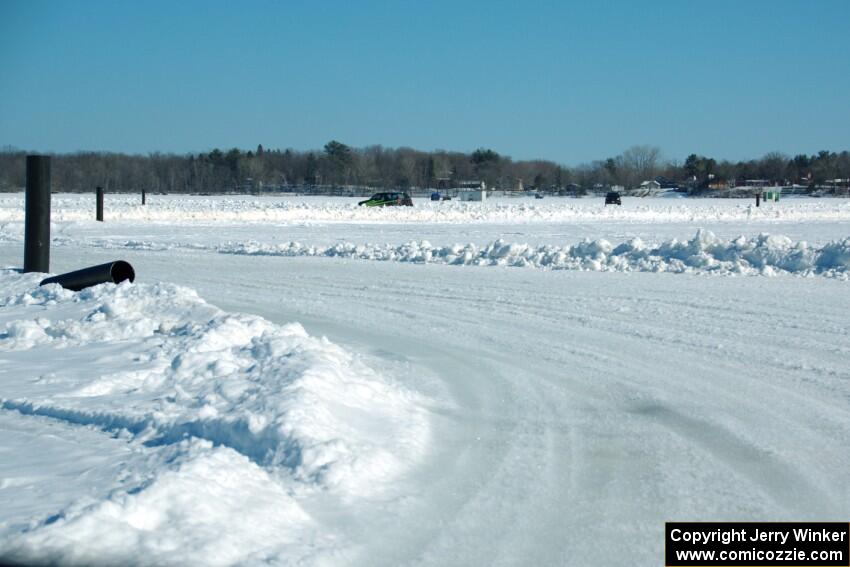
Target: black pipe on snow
{"type": "Point", "coordinates": [111, 272]}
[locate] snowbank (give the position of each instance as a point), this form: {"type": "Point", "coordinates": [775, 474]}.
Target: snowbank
{"type": "Point", "coordinates": [283, 210]}
{"type": "Point", "coordinates": [233, 420]}
{"type": "Point", "coordinates": [764, 254]}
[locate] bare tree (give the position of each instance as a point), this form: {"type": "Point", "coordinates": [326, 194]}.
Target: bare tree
{"type": "Point", "coordinates": [640, 163]}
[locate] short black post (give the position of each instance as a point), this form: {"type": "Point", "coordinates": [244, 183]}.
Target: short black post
{"type": "Point", "coordinates": [758, 198]}
{"type": "Point", "coordinates": [143, 196]}
{"type": "Point", "coordinates": [37, 215]}
{"type": "Point", "coordinates": [99, 212]}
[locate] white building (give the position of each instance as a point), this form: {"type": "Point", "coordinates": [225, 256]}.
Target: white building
{"type": "Point", "coordinates": [473, 195]}
{"type": "Point", "coordinates": [651, 185]}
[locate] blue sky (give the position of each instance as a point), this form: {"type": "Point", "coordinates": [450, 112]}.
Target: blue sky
{"type": "Point", "coordinates": [564, 81]}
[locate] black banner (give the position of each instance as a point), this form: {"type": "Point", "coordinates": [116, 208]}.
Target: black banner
{"type": "Point", "coordinates": [762, 544]}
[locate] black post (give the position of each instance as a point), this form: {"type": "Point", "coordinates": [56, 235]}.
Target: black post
{"type": "Point", "coordinates": [758, 198]}
{"type": "Point", "coordinates": [37, 215]}
{"type": "Point", "coordinates": [99, 211]}
{"type": "Point", "coordinates": [143, 196]}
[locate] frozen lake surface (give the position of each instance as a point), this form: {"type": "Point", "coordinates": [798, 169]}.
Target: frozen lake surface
{"type": "Point", "coordinates": [301, 381]}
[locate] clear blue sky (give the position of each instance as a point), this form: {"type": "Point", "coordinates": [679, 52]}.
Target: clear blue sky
{"type": "Point", "coordinates": [567, 81]}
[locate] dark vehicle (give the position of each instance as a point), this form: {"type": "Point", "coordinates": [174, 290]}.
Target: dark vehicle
{"type": "Point", "coordinates": [388, 200]}
{"type": "Point", "coordinates": [435, 196]}
{"type": "Point", "coordinates": [613, 198]}
{"type": "Point", "coordinates": [538, 195]}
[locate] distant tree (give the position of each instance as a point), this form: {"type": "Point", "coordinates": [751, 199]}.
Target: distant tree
{"type": "Point", "coordinates": [539, 181]}
{"type": "Point", "coordinates": [801, 161]}
{"type": "Point", "coordinates": [482, 157]}
{"type": "Point", "coordinates": [311, 169]}
{"type": "Point", "coordinates": [231, 158]}
{"type": "Point", "coordinates": [773, 167]}
{"type": "Point", "coordinates": [699, 168]}
{"type": "Point", "coordinates": [430, 172]}
{"type": "Point", "coordinates": [611, 167]}
{"type": "Point", "coordinates": [485, 163]}
{"type": "Point", "coordinates": [640, 163]}
{"type": "Point", "coordinates": [340, 158]}
{"type": "Point", "coordinates": [823, 167]}
{"type": "Point", "coordinates": [692, 165]}
{"type": "Point", "coordinates": [216, 157]}
{"type": "Point", "coordinates": [376, 166]}
{"type": "Point", "coordinates": [842, 165]}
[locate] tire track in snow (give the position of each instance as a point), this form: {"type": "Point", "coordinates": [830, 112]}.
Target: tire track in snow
{"type": "Point", "coordinates": [784, 484]}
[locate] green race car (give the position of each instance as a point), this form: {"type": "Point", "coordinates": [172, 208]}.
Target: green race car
{"type": "Point", "coordinates": [388, 200]}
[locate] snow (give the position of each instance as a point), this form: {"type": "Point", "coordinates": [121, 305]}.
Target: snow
{"type": "Point", "coordinates": [797, 236]}
{"type": "Point", "coordinates": [705, 253]}
{"type": "Point", "coordinates": [188, 209]}
{"type": "Point", "coordinates": [502, 383]}
{"type": "Point", "coordinates": [237, 412]}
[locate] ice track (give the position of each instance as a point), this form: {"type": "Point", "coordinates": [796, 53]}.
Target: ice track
{"type": "Point", "coordinates": [569, 406]}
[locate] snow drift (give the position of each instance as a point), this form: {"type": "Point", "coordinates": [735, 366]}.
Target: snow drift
{"type": "Point", "coordinates": [705, 253]}
{"type": "Point", "coordinates": [226, 415]}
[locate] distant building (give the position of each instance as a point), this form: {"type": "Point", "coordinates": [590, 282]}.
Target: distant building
{"type": "Point", "coordinates": [665, 183]}
{"type": "Point", "coordinates": [473, 195]}
{"type": "Point", "coordinates": [476, 185]}
{"type": "Point", "coordinates": [445, 183]}
{"type": "Point", "coordinates": [651, 185]}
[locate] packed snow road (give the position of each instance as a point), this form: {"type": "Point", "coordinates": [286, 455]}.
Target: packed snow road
{"type": "Point", "coordinates": [567, 408]}
{"type": "Point", "coordinates": [463, 413]}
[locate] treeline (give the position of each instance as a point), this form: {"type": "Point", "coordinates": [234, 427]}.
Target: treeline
{"type": "Point", "coordinates": [338, 165]}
